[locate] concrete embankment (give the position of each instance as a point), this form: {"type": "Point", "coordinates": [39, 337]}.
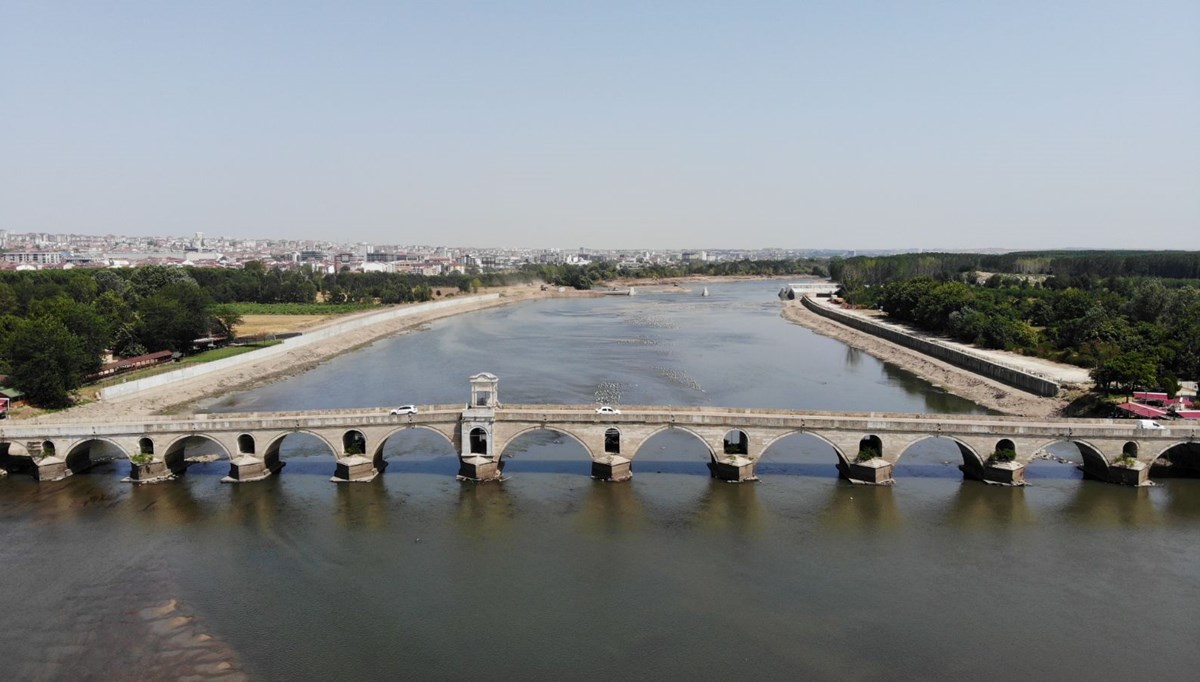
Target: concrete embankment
{"type": "Point", "coordinates": [1011, 376]}
{"type": "Point", "coordinates": [288, 345]}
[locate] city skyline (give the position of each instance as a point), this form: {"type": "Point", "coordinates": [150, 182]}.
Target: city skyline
{"type": "Point", "coordinates": [538, 125]}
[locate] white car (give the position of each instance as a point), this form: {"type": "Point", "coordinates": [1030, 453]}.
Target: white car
{"type": "Point", "coordinates": [605, 409]}
{"type": "Point", "coordinates": [1149, 424]}
{"type": "Point", "coordinates": [404, 409]}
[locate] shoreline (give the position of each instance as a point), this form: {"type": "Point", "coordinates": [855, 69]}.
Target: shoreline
{"type": "Point", "coordinates": [954, 380]}
{"type": "Point", "coordinates": [183, 397]}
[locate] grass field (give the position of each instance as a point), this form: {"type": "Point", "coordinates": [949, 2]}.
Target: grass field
{"type": "Point", "coordinates": [253, 325]}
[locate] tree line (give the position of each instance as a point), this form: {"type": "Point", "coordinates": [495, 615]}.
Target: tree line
{"type": "Point", "coordinates": [56, 324]}
{"type": "Point", "coordinates": [1064, 265]}
{"type": "Point", "coordinates": [1132, 331]}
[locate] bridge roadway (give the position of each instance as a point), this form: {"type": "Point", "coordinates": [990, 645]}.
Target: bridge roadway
{"type": "Point", "coordinates": [866, 445]}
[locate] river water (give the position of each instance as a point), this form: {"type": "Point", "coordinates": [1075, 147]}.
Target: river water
{"type": "Point", "coordinates": [550, 575]}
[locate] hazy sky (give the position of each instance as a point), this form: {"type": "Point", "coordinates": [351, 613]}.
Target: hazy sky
{"type": "Point", "coordinates": [836, 124]}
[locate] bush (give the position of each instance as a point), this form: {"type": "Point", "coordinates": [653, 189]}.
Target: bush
{"type": "Point", "coordinates": [867, 454]}
{"type": "Point", "coordinates": [1002, 455]}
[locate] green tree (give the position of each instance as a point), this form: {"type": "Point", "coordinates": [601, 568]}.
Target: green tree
{"type": "Point", "coordinates": [83, 321]}
{"type": "Point", "coordinates": [173, 317]}
{"type": "Point", "coordinates": [227, 318]}
{"type": "Point", "coordinates": [1126, 372]}
{"type": "Point", "coordinates": [45, 361]}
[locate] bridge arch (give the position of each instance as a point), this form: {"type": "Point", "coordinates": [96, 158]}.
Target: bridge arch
{"type": "Point", "coordinates": [1178, 460]}
{"type": "Point", "coordinates": [354, 442]}
{"type": "Point", "coordinates": [174, 455]}
{"type": "Point", "coordinates": [1095, 463]}
{"type": "Point", "coordinates": [272, 448]}
{"type": "Point", "coordinates": [502, 447]}
{"type": "Point", "coordinates": [800, 452]}
{"type": "Point", "coordinates": [668, 428]}
{"type": "Point", "coordinates": [79, 454]}
{"type": "Point", "coordinates": [379, 457]}
{"type": "Point", "coordinates": [271, 453]}
{"type": "Point", "coordinates": [970, 455]}
{"type": "Point", "coordinates": [410, 427]}
{"type": "Point", "coordinates": [870, 446]}
{"type": "Point", "coordinates": [1182, 443]}
{"type": "Point", "coordinates": [612, 441]}
{"type": "Point", "coordinates": [736, 442]}
{"type": "Point", "coordinates": [477, 440]}
{"type": "Point", "coordinates": [246, 444]}
{"type": "Point", "coordinates": [836, 450]}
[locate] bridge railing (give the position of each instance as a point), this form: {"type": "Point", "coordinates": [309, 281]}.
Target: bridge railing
{"type": "Point", "coordinates": [248, 416]}
{"type": "Point", "coordinates": [718, 409]}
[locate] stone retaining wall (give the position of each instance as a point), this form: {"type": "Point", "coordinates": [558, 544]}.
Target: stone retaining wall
{"type": "Point", "coordinates": [336, 329]}
{"type": "Point", "coordinates": [973, 363]}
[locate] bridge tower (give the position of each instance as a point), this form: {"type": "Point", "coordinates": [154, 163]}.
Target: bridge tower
{"type": "Point", "coordinates": [478, 459]}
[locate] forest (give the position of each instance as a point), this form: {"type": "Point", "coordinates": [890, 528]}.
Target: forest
{"type": "Point", "coordinates": [1133, 318]}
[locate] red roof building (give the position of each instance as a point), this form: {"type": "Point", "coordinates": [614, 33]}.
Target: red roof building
{"type": "Point", "coordinates": [1141, 410]}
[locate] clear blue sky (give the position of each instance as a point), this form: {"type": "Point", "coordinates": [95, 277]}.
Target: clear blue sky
{"type": "Point", "coordinates": [954, 124]}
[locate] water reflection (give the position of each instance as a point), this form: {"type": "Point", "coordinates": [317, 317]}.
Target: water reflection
{"type": "Point", "coordinates": [1103, 504]}
{"type": "Point", "coordinates": [256, 505]}
{"type": "Point", "coordinates": [171, 503]}
{"type": "Point", "coordinates": [86, 495]}
{"type": "Point", "coordinates": [730, 507]}
{"type": "Point", "coordinates": [363, 504]}
{"type": "Point", "coordinates": [853, 357]}
{"type": "Point", "coordinates": [611, 509]}
{"type": "Point", "coordinates": [979, 505]}
{"type": "Point", "coordinates": [861, 507]}
{"type": "Point", "coordinates": [935, 398]}
{"type": "Point", "coordinates": [484, 509]}
{"type": "Point", "coordinates": [1182, 499]}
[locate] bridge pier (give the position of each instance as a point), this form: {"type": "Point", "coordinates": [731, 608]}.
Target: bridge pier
{"type": "Point", "coordinates": [732, 469]}
{"type": "Point", "coordinates": [479, 469]}
{"type": "Point", "coordinates": [149, 472]}
{"type": "Point", "coordinates": [1136, 474]}
{"type": "Point", "coordinates": [612, 468]}
{"type": "Point", "coordinates": [354, 469]}
{"type": "Point", "coordinates": [877, 471]}
{"type": "Point", "coordinates": [50, 469]}
{"type": "Point", "coordinates": [998, 473]}
{"type": "Point", "coordinates": [245, 469]}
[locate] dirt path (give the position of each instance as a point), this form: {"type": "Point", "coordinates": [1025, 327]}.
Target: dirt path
{"type": "Point", "coordinates": [986, 392]}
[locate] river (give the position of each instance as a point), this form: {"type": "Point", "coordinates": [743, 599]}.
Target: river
{"type": "Point", "coordinates": [550, 575]}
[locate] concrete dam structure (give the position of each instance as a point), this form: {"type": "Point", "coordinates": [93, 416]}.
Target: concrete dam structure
{"type": "Point", "coordinates": [867, 445]}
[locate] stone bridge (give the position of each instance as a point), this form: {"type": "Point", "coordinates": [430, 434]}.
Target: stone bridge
{"type": "Point", "coordinates": [866, 445]}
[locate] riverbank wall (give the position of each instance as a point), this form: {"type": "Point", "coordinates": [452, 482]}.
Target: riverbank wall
{"type": "Point", "coordinates": [1011, 376]}
{"type": "Point", "coordinates": [288, 345]}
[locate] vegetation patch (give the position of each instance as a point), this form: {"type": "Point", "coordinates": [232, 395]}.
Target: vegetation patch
{"type": "Point", "coordinates": [298, 308]}
{"type": "Point", "coordinates": [1002, 455]}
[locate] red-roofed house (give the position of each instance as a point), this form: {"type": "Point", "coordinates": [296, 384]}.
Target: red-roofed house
{"type": "Point", "coordinates": [1140, 410]}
